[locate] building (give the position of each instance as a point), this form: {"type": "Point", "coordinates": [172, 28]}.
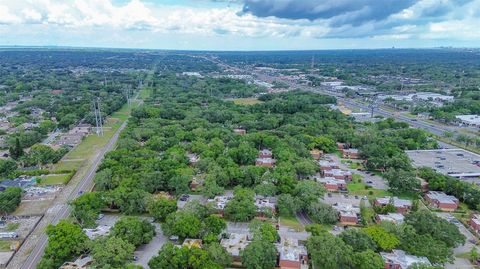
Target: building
{"type": "Point", "coordinates": [333, 184]}
{"type": "Point", "coordinates": [219, 202]}
{"type": "Point", "coordinates": [341, 146]}
{"type": "Point", "coordinates": [196, 183]}
{"type": "Point", "coordinates": [101, 230]}
{"type": "Point", "coordinates": [402, 205]}
{"type": "Point", "coordinates": [265, 203]}
{"type": "Point", "coordinates": [316, 154]}
{"type": "Point", "coordinates": [83, 129]}
{"type": "Point", "coordinates": [347, 213]}
{"type": "Point", "coordinates": [475, 223]}
{"type": "Point", "coordinates": [395, 218]}
{"type": "Point", "coordinates": [70, 140]}
{"type": "Point", "coordinates": [234, 244]}
{"type": "Point", "coordinates": [327, 165]}
{"type": "Point", "coordinates": [442, 201]}
{"type": "Point", "coordinates": [350, 154]}
{"type": "Point", "coordinates": [469, 120]}
{"type": "Point", "coordinates": [338, 174]}
{"type": "Point", "coordinates": [193, 158]}
{"type": "Point", "coordinates": [398, 259]}
{"type": "Point", "coordinates": [240, 131]}
{"type": "Point", "coordinates": [291, 254]}
{"type": "Point", "coordinates": [265, 153]}
{"type": "Point", "coordinates": [192, 243]}
{"type": "Point", "coordinates": [265, 162]}
{"type": "Point", "coordinates": [22, 182]}
{"type": "Point", "coordinates": [83, 262]}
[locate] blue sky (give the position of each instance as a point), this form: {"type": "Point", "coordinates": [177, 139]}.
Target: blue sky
{"type": "Point", "coordinates": [241, 24]}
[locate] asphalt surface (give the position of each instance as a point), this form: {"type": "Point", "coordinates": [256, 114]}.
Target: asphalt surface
{"type": "Point", "coordinates": [84, 186]}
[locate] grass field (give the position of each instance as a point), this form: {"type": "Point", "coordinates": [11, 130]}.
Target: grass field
{"type": "Point", "coordinates": [291, 222]}
{"type": "Point", "coordinates": [359, 189]}
{"type": "Point", "coordinates": [54, 179]}
{"type": "Point", "coordinates": [246, 101]}
{"type": "Point", "coordinates": [67, 165]}
{"type": "Point", "coordinates": [5, 245]}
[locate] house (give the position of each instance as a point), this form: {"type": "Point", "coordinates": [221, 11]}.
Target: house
{"type": "Point", "coordinates": [101, 230]}
{"type": "Point", "coordinates": [316, 154]}
{"type": "Point", "coordinates": [338, 174]}
{"type": "Point", "coordinates": [234, 244]}
{"type": "Point", "coordinates": [83, 262]}
{"type": "Point", "coordinates": [395, 218]}
{"type": "Point", "coordinates": [83, 129]}
{"type": "Point", "coordinates": [326, 165]}
{"type": "Point", "coordinates": [350, 154]}
{"type": "Point", "coordinates": [70, 139]}
{"type": "Point", "coordinates": [347, 213]}
{"type": "Point", "coordinates": [398, 259]}
{"type": "Point", "coordinates": [402, 205]}
{"type": "Point", "coordinates": [475, 223]}
{"type": "Point", "coordinates": [219, 202]}
{"type": "Point", "coordinates": [195, 183]}
{"type": "Point", "coordinates": [240, 131]}
{"type": "Point", "coordinates": [341, 146]}
{"type": "Point", "coordinates": [192, 243]}
{"type": "Point", "coordinates": [469, 120]}
{"type": "Point", "coordinates": [262, 203]}
{"type": "Point", "coordinates": [291, 254]}
{"type": "Point", "coordinates": [442, 201]}
{"type": "Point", "coordinates": [333, 184]}
{"type": "Point", "coordinates": [265, 153]}
{"type": "Point", "coordinates": [265, 162]}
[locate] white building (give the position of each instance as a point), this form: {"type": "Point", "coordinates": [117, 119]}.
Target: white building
{"type": "Point", "coordinates": [470, 120]}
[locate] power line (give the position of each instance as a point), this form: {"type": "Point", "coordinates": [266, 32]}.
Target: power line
{"type": "Point", "coordinates": [98, 116]}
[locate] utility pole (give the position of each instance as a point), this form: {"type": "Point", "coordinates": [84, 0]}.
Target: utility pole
{"type": "Point", "coordinates": [98, 116]}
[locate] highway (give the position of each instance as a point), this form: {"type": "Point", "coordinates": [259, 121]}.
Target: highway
{"type": "Point", "coordinates": [85, 185]}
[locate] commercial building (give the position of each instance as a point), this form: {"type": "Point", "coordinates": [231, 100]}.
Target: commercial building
{"type": "Point", "coordinates": [469, 120]}
{"type": "Point", "coordinates": [398, 259]}
{"type": "Point", "coordinates": [402, 205]}
{"type": "Point", "coordinates": [333, 184]}
{"type": "Point", "coordinates": [441, 200]}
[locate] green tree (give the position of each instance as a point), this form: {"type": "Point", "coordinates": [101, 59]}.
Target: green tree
{"type": "Point", "coordinates": [66, 241]}
{"type": "Point", "coordinates": [133, 230]}
{"type": "Point", "coordinates": [263, 231]}
{"type": "Point", "coordinates": [384, 240]}
{"type": "Point", "coordinates": [244, 154]}
{"type": "Point", "coordinates": [10, 199]}
{"type": "Point", "coordinates": [213, 225]}
{"type": "Point", "coordinates": [328, 251]}
{"type": "Point", "coordinates": [111, 252]}
{"type": "Point", "coordinates": [308, 192]}
{"type": "Point", "coordinates": [86, 208]}
{"type": "Point", "coordinates": [368, 260]}
{"type": "Point", "coordinates": [325, 144]}
{"type": "Point", "coordinates": [402, 181]}
{"type": "Point", "coordinates": [169, 257]}
{"type": "Point", "coordinates": [42, 154]}
{"type": "Point", "coordinates": [16, 151]}
{"type": "Point", "coordinates": [241, 207]}
{"type": "Point", "coordinates": [7, 166]}
{"type": "Point", "coordinates": [358, 240]}
{"type": "Point", "coordinates": [323, 213]}
{"type": "Point", "coordinates": [218, 254]}
{"type": "Point", "coordinates": [259, 254]}
{"type": "Point", "coordinates": [287, 205]}
{"type": "Point", "coordinates": [211, 188]}
{"type": "Point", "coordinates": [183, 224]}
{"type": "Point", "coordinates": [160, 208]}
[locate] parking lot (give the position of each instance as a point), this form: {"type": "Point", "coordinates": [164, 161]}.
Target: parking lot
{"type": "Point", "coordinates": [145, 252]}
{"type": "Point", "coordinates": [454, 162]}
{"type": "Point", "coordinates": [333, 198]}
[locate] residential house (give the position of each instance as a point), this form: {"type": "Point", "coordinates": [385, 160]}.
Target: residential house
{"type": "Point", "coordinates": [347, 213]}
{"type": "Point", "coordinates": [234, 244]}
{"type": "Point", "coordinates": [265, 153]}
{"type": "Point", "coordinates": [265, 162]}
{"type": "Point", "coordinates": [240, 131]}
{"type": "Point", "coordinates": [350, 154]}
{"type": "Point", "coordinates": [83, 262]}
{"type": "Point", "coordinates": [195, 243]}
{"type": "Point", "coordinates": [193, 158]}
{"type": "Point", "coordinates": [219, 202]}
{"type": "Point", "coordinates": [338, 174]}
{"type": "Point", "coordinates": [475, 223]}
{"type": "Point", "coordinates": [265, 203]}
{"type": "Point", "coordinates": [316, 154]}
{"type": "Point", "coordinates": [442, 201]}
{"type": "Point", "coordinates": [398, 259]}
{"type": "Point", "coordinates": [326, 165]}
{"type": "Point", "coordinates": [333, 184]}
{"type": "Point", "coordinates": [402, 205]}
{"type": "Point", "coordinates": [100, 230]}
{"type": "Point", "coordinates": [395, 218]}
{"type": "Point", "coordinates": [291, 255]}
{"type": "Point", "coordinates": [196, 183]}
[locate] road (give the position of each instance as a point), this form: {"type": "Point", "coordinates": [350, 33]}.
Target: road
{"type": "Point", "coordinates": [86, 184]}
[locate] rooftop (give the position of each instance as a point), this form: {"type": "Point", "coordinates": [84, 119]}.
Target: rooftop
{"type": "Point", "coordinates": [235, 243]}
{"type": "Point", "coordinates": [442, 197]}
{"type": "Point", "coordinates": [101, 230]}
{"type": "Point", "coordinates": [397, 202]}
{"type": "Point", "coordinates": [290, 250]}
{"type": "Point", "coordinates": [396, 218]}
{"type": "Point", "coordinates": [402, 259]}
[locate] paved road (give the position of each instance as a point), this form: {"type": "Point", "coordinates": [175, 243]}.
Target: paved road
{"type": "Point", "coordinates": [85, 185]}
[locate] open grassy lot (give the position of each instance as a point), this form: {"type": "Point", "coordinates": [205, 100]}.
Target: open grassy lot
{"type": "Point", "coordinates": [54, 179]}
{"type": "Point", "coordinates": [246, 101]}
{"type": "Point", "coordinates": [67, 165]}
{"type": "Point", "coordinates": [5, 245]}
{"type": "Point", "coordinates": [359, 189]}
{"type": "Point", "coordinates": [291, 222]}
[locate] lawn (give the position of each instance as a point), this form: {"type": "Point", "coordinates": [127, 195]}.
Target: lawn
{"type": "Point", "coordinates": [246, 101]}
{"type": "Point", "coordinates": [359, 189]}
{"type": "Point", "coordinates": [5, 245]}
{"type": "Point", "coordinates": [54, 179]}
{"type": "Point", "coordinates": [67, 165]}
{"type": "Point", "coordinates": [291, 222]}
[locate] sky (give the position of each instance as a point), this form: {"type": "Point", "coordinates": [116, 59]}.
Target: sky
{"type": "Point", "coordinates": [241, 24]}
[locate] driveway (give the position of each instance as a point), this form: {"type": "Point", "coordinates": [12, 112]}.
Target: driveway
{"type": "Point", "coordinates": [146, 252]}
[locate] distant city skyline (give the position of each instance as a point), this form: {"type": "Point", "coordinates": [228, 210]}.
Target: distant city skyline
{"type": "Point", "coordinates": [241, 24]}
